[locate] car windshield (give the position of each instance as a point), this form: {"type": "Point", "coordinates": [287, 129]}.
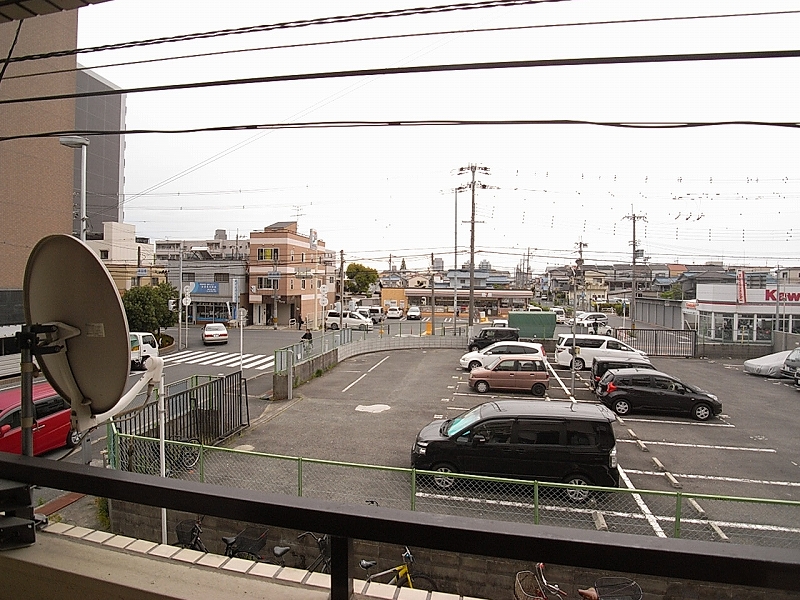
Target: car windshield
{"type": "Point", "coordinates": [463, 421]}
{"type": "Point", "coordinates": [215, 327]}
{"type": "Point", "coordinates": [795, 355]}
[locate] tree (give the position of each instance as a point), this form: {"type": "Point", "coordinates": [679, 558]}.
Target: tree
{"type": "Point", "coordinates": [403, 265]}
{"type": "Point", "coordinates": [675, 292]}
{"type": "Point", "coordinates": [147, 307]}
{"type": "Point", "coordinates": [359, 278]}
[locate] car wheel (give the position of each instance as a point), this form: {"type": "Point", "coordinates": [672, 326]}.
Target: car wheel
{"type": "Point", "coordinates": [701, 411]}
{"type": "Point", "coordinates": [473, 348]}
{"type": "Point", "coordinates": [474, 364]}
{"type": "Point", "coordinates": [481, 387]}
{"type": "Point", "coordinates": [576, 495]}
{"type": "Point", "coordinates": [538, 390]}
{"type": "Point", "coordinates": [622, 407]}
{"type": "Point", "coordinates": [442, 481]}
{"type": "Point", "coordinates": [579, 364]}
{"type": "Point", "coordinates": [333, 326]}
{"type": "Point", "coordinates": [73, 438]}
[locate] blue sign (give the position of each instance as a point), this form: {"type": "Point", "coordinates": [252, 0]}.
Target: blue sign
{"type": "Point", "coordinates": [206, 287]}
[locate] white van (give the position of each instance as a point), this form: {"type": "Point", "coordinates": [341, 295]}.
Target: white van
{"type": "Point", "coordinates": [143, 344]}
{"type": "Point", "coordinates": [561, 316]}
{"type": "Point", "coordinates": [353, 320]}
{"type": "Point", "coordinates": [590, 346]}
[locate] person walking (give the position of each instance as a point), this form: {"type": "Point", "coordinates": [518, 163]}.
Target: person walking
{"type": "Point", "coordinates": [300, 321]}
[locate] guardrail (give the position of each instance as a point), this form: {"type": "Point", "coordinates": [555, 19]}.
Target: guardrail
{"type": "Point", "coordinates": [770, 568]}
{"type": "Point", "coordinates": [702, 517]}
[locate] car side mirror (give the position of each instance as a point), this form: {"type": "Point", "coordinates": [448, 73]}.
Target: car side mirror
{"type": "Point", "coordinates": [4, 430]}
{"type": "Point", "coordinates": [478, 439]}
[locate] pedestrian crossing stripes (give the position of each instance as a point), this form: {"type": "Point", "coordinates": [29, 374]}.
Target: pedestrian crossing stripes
{"type": "Point", "coordinates": [259, 362]}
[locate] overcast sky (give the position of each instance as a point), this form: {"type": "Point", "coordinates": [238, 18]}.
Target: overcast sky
{"type": "Point", "coordinates": [729, 193]}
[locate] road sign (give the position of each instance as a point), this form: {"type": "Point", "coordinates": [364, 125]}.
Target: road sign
{"type": "Point", "coordinates": [187, 300]}
{"type": "Point", "coordinates": [187, 289]}
{"type": "Point", "coordinates": [323, 289]}
{"type": "Point", "coordinates": [323, 302]}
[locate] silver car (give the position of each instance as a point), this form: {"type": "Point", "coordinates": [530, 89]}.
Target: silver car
{"type": "Point", "coordinates": [483, 358]}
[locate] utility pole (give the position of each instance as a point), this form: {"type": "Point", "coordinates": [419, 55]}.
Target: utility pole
{"type": "Point", "coordinates": [433, 300]}
{"type": "Point", "coordinates": [634, 217]}
{"type": "Point", "coordinates": [341, 286]}
{"type": "Point", "coordinates": [582, 273]}
{"type": "Point", "coordinates": [472, 168]}
{"type": "Point", "coordinates": [576, 276]}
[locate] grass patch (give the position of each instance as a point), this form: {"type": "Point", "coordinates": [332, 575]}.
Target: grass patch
{"type": "Point", "coordinates": [102, 513]}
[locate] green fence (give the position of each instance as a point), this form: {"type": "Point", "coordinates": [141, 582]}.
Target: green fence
{"type": "Point", "coordinates": [751, 521]}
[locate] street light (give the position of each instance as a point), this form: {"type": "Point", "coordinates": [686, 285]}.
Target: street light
{"type": "Point", "coordinates": [76, 141]}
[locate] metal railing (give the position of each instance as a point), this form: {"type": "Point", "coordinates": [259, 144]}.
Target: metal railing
{"type": "Point", "coordinates": [661, 342]}
{"type": "Point", "coordinates": [770, 568]}
{"type": "Point", "coordinates": [702, 517]}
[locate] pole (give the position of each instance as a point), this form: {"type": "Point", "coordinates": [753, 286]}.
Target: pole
{"type": "Point", "coordinates": [574, 324]}
{"type": "Point", "coordinates": [83, 191]}
{"type": "Point", "coordinates": [455, 260]}
{"type": "Point", "coordinates": [275, 284]}
{"type": "Point", "coordinates": [472, 254]}
{"type": "Point", "coordinates": [341, 287]}
{"type": "Point", "coordinates": [633, 278]}
{"type": "Point", "coordinates": [433, 301]}
{"type": "Point", "coordinates": [162, 455]}
{"type": "Point", "coordinates": [180, 297]}
{"type": "Point", "coordinates": [26, 413]}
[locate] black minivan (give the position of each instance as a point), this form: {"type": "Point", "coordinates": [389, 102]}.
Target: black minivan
{"type": "Point", "coordinates": [557, 441]}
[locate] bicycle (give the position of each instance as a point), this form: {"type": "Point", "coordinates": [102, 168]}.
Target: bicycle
{"type": "Point", "coordinates": [532, 585]}
{"type": "Point", "coordinates": [323, 559]}
{"type": "Point", "coordinates": [401, 575]}
{"type": "Point", "coordinates": [188, 533]}
{"type": "Point", "coordinates": [248, 544]}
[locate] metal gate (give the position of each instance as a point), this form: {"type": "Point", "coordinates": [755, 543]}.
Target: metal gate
{"type": "Point", "coordinates": [661, 342]}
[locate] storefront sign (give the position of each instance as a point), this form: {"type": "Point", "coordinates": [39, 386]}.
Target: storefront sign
{"type": "Point", "coordinates": [206, 287]}
{"type": "Point", "coordinates": [775, 296]}
{"type": "Point", "coordinates": [741, 288]}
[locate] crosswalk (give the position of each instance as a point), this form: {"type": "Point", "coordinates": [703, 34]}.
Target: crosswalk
{"type": "Point", "coordinates": [259, 362]}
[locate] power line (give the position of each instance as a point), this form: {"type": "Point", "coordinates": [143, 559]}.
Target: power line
{"type": "Point", "coordinates": [408, 70]}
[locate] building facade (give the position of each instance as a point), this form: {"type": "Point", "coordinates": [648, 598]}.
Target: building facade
{"type": "Point", "coordinates": [291, 276]}
{"type": "Point", "coordinates": [129, 259]}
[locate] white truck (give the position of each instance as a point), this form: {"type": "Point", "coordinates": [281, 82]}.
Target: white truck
{"type": "Point", "coordinates": [143, 344]}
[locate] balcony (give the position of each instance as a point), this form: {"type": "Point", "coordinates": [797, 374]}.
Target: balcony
{"type": "Point", "coordinates": [705, 568]}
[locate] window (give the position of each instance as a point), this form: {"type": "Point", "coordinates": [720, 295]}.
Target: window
{"type": "Point", "coordinates": [49, 406]}
{"type": "Point", "coordinates": [103, 254]}
{"type": "Point", "coordinates": [221, 277]}
{"type": "Point", "coordinates": [495, 432]}
{"type": "Point", "coordinates": [291, 256]}
{"type": "Point", "coordinates": [291, 284]}
{"type": "Point", "coordinates": [538, 432]}
{"type": "Point", "coordinates": [615, 345]}
{"type": "Point", "coordinates": [662, 383]}
{"type": "Point", "coordinates": [640, 381]}
{"type": "Point", "coordinates": [302, 284]}
{"type": "Point", "coordinates": [154, 281]}
{"type": "Point", "coordinates": [507, 365]}
{"type": "Point", "coordinates": [581, 433]}
{"type": "Point", "coordinates": [12, 418]}
{"type": "Point", "coordinates": [268, 254]}
{"type": "Point", "coordinates": [266, 283]}
{"type": "Point", "coordinates": [302, 257]}
{"type": "Point", "coordinates": [188, 277]}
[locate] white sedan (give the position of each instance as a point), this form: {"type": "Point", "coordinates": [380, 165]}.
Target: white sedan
{"type": "Point", "coordinates": [215, 333]}
{"type": "Point", "coordinates": [482, 358]}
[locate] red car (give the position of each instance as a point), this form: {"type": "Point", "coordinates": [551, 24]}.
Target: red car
{"type": "Point", "coordinates": [52, 428]}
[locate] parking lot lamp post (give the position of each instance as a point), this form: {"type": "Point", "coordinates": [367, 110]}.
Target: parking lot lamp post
{"type": "Point", "coordinates": [76, 141]}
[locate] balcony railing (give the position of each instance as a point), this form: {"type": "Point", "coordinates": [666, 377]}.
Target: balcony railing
{"type": "Point", "coordinates": [771, 568]}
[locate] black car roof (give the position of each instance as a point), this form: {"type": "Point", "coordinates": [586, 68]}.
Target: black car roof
{"type": "Point", "coordinates": [560, 409]}
{"type": "Point", "coordinates": [634, 371]}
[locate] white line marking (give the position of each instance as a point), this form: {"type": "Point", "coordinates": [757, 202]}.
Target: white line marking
{"type": "Point", "coordinates": [707, 446]}
{"type": "Point", "coordinates": [181, 356]}
{"type": "Point", "coordinates": [681, 422]}
{"type": "Point", "coordinates": [267, 365]}
{"type": "Point", "coordinates": [642, 505]}
{"type": "Point", "coordinates": [380, 362]}
{"type": "Point", "coordinates": [720, 478]}
{"type": "Point", "coordinates": [355, 382]}
{"type": "Point", "coordinates": [253, 362]}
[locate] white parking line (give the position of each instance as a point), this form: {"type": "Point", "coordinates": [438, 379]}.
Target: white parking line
{"type": "Point", "coordinates": [629, 419]}
{"type": "Point", "coordinates": [355, 382]}
{"type": "Point", "coordinates": [648, 514]}
{"type": "Point", "coordinates": [706, 446]}
{"type": "Point", "coordinates": [380, 362]}
{"type": "Point", "coordinates": [719, 478]}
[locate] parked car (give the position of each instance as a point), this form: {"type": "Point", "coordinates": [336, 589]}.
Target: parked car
{"type": "Point", "coordinates": [770, 365]}
{"type": "Point", "coordinates": [791, 366]}
{"type": "Point", "coordinates": [413, 312]}
{"type": "Point", "coordinates": [52, 428]}
{"type": "Point", "coordinates": [603, 364]}
{"type": "Point", "coordinates": [512, 372]}
{"type": "Point", "coordinates": [551, 441]}
{"type": "Point", "coordinates": [490, 335]}
{"type": "Point", "coordinates": [590, 346]}
{"type": "Point", "coordinates": [215, 333]}
{"type": "Point", "coordinates": [499, 322]}
{"type": "Point", "coordinates": [561, 316]}
{"type": "Point", "coordinates": [633, 390]}
{"type": "Point", "coordinates": [481, 358]}
{"type": "Point", "coordinates": [143, 344]}
{"type": "Point", "coordinates": [376, 314]}
{"type": "Point", "coordinates": [587, 319]}
{"type": "Point", "coordinates": [348, 319]}
{"type": "Point", "coordinates": [394, 312]}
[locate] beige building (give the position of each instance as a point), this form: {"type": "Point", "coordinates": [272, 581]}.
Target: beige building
{"type": "Point", "coordinates": [36, 175]}
{"type": "Point", "coordinates": [291, 276]}
{"type": "Point", "coordinates": [130, 260]}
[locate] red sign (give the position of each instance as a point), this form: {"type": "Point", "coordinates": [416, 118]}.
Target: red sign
{"type": "Point", "coordinates": [741, 288]}
{"type": "Point", "coordinates": [775, 296]}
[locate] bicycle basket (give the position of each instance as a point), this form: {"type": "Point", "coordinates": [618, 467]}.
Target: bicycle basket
{"type": "Point", "coordinates": [526, 587]}
{"type": "Point", "coordinates": [251, 540]}
{"type": "Point", "coordinates": [618, 588]}
{"type": "Point", "coordinates": [184, 531]}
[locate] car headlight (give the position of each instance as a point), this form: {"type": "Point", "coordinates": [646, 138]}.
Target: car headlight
{"type": "Point", "coordinates": [420, 447]}
{"type": "Point", "coordinates": [713, 397]}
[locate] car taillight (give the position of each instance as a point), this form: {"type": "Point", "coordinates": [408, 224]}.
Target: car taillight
{"type": "Point", "coordinates": [612, 459]}
{"type": "Point", "coordinates": [610, 387]}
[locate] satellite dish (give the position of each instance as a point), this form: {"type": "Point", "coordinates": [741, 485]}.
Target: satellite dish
{"type": "Point", "coordinates": [87, 357]}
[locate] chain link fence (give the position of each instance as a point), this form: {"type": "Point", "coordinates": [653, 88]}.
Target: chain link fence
{"type": "Point", "coordinates": [749, 521]}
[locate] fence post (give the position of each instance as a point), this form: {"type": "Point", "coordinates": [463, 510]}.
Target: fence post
{"type": "Point", "coordinates": [536, 502]}
{"type": "Point", "coordinates": [300, 476]}
{"type": "Point", "coordinates": [678, 503]}
{"type": "Point", "coordinates": [413, 488]}
{"type": "Point", "coordinates": [202, 461]}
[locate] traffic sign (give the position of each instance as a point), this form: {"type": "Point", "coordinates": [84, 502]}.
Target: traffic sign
{"type": "Point", "coordinates": [323, 302]}
{"type": "Point", "coordinates": [187, 300]}
{"type": "Point", "coordinates": [323, 289]}
{"type": "Point", "coordinates": [187, 289]}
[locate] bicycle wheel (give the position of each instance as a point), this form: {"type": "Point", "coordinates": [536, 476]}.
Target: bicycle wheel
{"type": "Point", "coordinates": [190, 455]}
{"type": "Point", "coordinates": [422, 582]}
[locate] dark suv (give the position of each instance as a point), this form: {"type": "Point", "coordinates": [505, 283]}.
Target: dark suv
{"type": "Point", "coordinates": [549, 441]}
{"type": "Point", "coordinates": [628, 390]}
{"type": "Point", "coordinates": [490, 335]}
{"type": "Point", "coordinates": [602, 364]}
